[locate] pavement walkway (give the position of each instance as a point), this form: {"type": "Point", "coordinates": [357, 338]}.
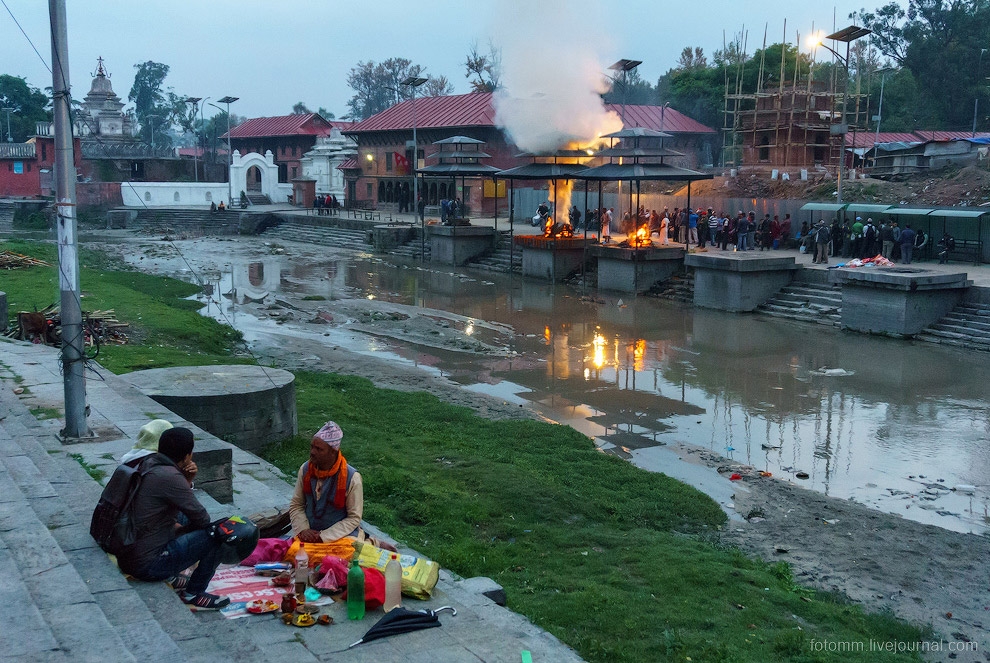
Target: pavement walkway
{"type": "Point", "coordinates": [62, 599]}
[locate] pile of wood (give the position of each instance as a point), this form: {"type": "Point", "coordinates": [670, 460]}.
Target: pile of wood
{"type": "Point", "coordinates": [11, 260]}
{"type": "Point", "coordinates": [99, 327]}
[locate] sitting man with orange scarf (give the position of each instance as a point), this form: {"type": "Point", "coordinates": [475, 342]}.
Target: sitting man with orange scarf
{"type": "Point", "coordinates": [328, 501]}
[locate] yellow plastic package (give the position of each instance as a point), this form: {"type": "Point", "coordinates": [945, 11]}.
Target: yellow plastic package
{"type": "Point", "coordinates": [419, 576]}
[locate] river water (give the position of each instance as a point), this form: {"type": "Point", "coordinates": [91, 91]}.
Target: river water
{"type": "Point", "coordinates": [891, 424]}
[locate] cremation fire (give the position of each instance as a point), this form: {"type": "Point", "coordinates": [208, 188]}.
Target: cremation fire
{"type": "Point", "coordinates": [557, 230]}
{"type": "Point", "coordinates": [640, 238]}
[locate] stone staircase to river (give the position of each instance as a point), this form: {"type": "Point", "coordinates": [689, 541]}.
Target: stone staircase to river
{"type": "Point", "coordinates": [502, 259]}
{"type": "Point", "coordinates": [967, 326]}
{"type": "Point", "coordinates": [819, 303]}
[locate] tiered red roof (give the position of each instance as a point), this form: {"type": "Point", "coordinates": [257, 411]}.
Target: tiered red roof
{"type": "Point", "coordinates": [477, 110]}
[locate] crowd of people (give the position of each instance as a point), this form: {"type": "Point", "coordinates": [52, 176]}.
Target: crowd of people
{"type": "Point", "coordinates": [865, 239]}
{"type": "Point", "coordinates": [325, 204]}
{"type": "Point", "coordinates": [697, 227]}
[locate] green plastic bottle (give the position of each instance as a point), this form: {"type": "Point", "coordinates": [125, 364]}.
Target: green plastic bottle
{"type": "Point", "coordinates": [355, 590]}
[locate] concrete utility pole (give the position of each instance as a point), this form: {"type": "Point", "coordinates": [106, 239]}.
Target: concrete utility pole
{"type": "Point", "coordinates": [414, 82]}
{"type": "Point", "coordinates": [73, 358]}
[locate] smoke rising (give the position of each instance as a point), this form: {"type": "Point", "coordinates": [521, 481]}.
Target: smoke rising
{"type": "Point", "coordinates": [552, 74]}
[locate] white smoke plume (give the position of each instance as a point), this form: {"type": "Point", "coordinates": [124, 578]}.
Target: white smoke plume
{"type": "Point", "coordinates": [552, 74]}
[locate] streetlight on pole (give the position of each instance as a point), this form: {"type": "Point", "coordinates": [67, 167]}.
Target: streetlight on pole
{"type": "Point", "coordinates": [230, 153]}
{"type": "Point", "coordinates": [414, 82]}
{"type": "Point", "coordinates": [153, 117]}
{"type": "Point", "coordinates": [847, 35]}
{"type": "Point", "coordinates": [10, 137]}
{"type": "Point", "coordinates": [976, 99]}
{"type": "Point", "coordinates": [879, 117]}
{"type": "Point", "coordinates": [195, 101]}
{"type": "Point", "coordinates": [625, 66]}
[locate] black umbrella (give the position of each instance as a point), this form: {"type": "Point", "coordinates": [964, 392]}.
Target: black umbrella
{"type": "Point", "coordinates": [400, 620]}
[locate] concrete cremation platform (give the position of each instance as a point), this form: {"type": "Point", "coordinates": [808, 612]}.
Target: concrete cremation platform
{"type": "Point", "coordinates": [248, 406]}
{"type": "Point", "coordinates": [738, 281]}
{"type": "Point", "coordinates": [551, 259]}
{"type": "Point", "coordinates": [455, 245]}
{"type": "Point", "coordinates": [898, 301]}
{"type": "Point", "coordinates": [635, 270]}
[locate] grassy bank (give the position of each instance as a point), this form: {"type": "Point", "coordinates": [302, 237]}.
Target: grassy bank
{"type": "Point", "coordinates": [164, 327]}
{"type": "Point", "coordinates": [620, 563]}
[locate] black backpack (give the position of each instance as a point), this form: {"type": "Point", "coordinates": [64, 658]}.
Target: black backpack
{"type": "Point", "coordinates": [113, 525]}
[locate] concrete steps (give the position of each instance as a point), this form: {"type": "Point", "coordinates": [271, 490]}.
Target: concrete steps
{"type": "Point", "coordinates": [967, 326]}
{"type": "Point", "coordinates": [156, 221]}
{"type": "Point", "coordinates": [258, 199]}
{"type": "Point", "coordinates": [6, 218]}
{"type": "Point", "coordinates": [501, 259]}
{"type": "Point", "coordinates": [62, 598]}
{"type": "Point", "coordinates": [806, 302]}
{"type": "Point", "coordinates": [345, 238]}
{"type": "Point", "coordinates": [678, 288]}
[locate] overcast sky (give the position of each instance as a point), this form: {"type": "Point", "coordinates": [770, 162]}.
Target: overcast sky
{"type": "Point", "coordinates": [273, 54]}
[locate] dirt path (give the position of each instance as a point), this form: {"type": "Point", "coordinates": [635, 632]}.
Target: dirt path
{"type": "Point", "coordinates": [921, 573]}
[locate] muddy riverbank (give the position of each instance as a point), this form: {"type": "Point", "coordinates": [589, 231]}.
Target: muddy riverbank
{"type": "Point", "coordinates": [920, 572]}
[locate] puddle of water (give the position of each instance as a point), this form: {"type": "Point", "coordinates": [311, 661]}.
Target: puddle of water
{"type": "Point", "coordinates": [887, 423]}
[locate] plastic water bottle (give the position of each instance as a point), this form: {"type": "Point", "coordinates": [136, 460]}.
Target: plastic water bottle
{"type": "Point", "coordinates": [302, 572]}
{"type": "Point", "coordinates": [393, 583]}
{"type": "Point", "coordinates": [355, 590]}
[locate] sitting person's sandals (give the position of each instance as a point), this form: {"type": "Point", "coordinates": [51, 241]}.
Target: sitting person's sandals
{"type": "Point", "coordinates": [204, 601]}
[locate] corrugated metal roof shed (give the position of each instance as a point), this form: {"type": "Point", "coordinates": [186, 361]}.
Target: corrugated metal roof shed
{"type": "Point", "coordinates": [310, 124]}
{"type": "Point", "coordinates": [477, 109]}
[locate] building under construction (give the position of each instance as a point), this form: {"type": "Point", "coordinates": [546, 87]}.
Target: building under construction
{"type": "Point", "coordinates": [789, 124]}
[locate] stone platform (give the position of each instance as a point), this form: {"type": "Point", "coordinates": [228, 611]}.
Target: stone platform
{"type": "Point", "coordinates": [635, 270]}
{"type": "Point", "coordinates": [738, 281]}
{"type": "Point", "coordinates": [898, 301]}
{"type": "Point", "coordinates": [455, 245]}
{"type": "Point", "coordinates": [248, 406]}
{"type": "Point", "coordinates": [551, 259]}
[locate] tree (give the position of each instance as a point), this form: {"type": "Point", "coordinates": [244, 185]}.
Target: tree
{"type": "Point", "coordinates": [28, 105]}
{"type": "Point", "coordinates": [300, 109]}
{"type": "Point", "coordinates": [377, 86]}
{"type": "Point", "coordinates": [437, 86]}
{"type": "Point", "coordinates": [637, 90]}
{"type": "Point", "coordinates": [325, 114]}
{"type": "Point", "coordinates": [692, 58]}
{"type": "Point", "coordinates": [940, 42]}
{"type": "Point", "coordinates": [485, 68]}
{"type": "Point", "coordinates": [156, 109]}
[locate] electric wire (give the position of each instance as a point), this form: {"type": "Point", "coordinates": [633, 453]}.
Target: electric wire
{"type": "Point", "coordinates": [61, 219]}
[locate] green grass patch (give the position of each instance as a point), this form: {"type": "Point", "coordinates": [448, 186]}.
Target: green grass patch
{"type": "Point", "coordinates": [43, 413]}
{"type": "Point", "coordinates": [620, 563]}
{"type": "Point", "coordinates": [164, 328]}
{"type": "Point", "coordinates": [314, 298]}
{"type": "Point", "coordinates": [91, 470]}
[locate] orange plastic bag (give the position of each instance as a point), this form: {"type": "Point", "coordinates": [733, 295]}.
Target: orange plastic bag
{"type": "Point", "coordinates": [340, 548]}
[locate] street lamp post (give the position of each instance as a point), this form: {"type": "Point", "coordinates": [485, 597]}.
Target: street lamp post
{"type": "Point", "coordinates": [663, 124]}
{"type": "Point", "coordinates": [414, 82]}
{"type": "Point", "coordinates": [153, 117]}
{"type": "Point", "coordinates": [976, 99]}
{"type": "Point", "coordinates": [847, 35]}
{"type": "Point", "coordinates": [230, 153]}
{"type": "Point", "coordinates": [883, 79]}
{"type": "Point", "coordinates": [10, 137]}
{"type": "Point", "coordinates": [625, 66]}
{"type": "Point", "coordinates": [195, 101]}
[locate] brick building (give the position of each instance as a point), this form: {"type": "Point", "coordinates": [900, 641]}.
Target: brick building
{"type": "Point", "coordinates": [26, 168]}
{"type": "Point", "coordinates": [288, 137]}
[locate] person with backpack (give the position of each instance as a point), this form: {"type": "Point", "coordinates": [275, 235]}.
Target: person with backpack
{"type": "Point", "coordinates": [869, 240]}
{"type": "Point", "coordinates": [822, 235]}
{"type": "Point", "coordinates": [945, 246]}
{"type": "Point", "coordinates": [172, 528]}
